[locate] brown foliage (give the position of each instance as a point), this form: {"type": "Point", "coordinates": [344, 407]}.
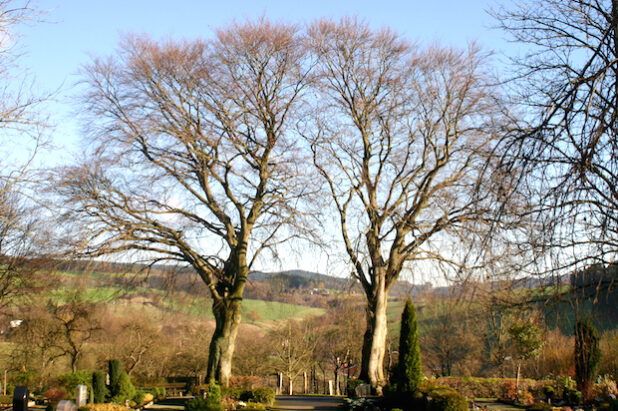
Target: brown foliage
{"type": "Point", "coordinates": [609, 354]}
{"type": "Point", "coordinates": [556, 356]}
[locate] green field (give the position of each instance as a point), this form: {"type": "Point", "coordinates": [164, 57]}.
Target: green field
{"type": "Point", "coordinates": [156, 301]}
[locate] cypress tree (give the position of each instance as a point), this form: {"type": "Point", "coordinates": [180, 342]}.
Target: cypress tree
{"type": "Point", "coordinates": [409, 371]}
{"type": "Point", "coordinates": [587, 355]}
{"type": "Point", "coordinates": [115, 370]}
{"type": "Point", "coordinates": [99, 390]}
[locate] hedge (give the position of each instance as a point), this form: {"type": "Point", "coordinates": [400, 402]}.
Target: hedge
{"type": "Point", "coordinates": [473, 387]}
{"type": "Point", "coordinates": [261, 395]}
{"type": "Point", "coordinates": [445, 399]}
{"type": "Point", "coordinates": [429, 397]}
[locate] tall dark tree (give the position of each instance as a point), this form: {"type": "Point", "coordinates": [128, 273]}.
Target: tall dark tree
{"type": "Point", "coordinates": [100, 391]}
{"type": "Point", "coordinates": [409, 371]}
{"type": "Point", "coordinates": [114, 370]}
{"type": "Point", "coordinates": [587, 355]}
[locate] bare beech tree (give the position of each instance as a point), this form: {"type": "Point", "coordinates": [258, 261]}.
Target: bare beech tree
{"type": "Point", "coordinates": [193, 159]}
{"type": "Point", "coordinates": [400, 137]}
{"type": "Point", "coordinates": [567, 83]}
{"type": "Point", "coordinates": [21, 138]}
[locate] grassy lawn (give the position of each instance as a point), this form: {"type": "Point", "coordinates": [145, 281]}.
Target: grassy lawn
{"type": "Point", "coordinates": [274, 311]}
{"type": "Point", "coordinates": [253, 311]}
{"type": "Point", "coordinates": [94, 295]}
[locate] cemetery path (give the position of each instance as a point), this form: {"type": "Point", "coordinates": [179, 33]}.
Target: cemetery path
{"type": "Point", "coordinates": [308, 402]}
{"type": "Point", "coordinates": [169, 404]}
{"type": "Point", "coordinates": [282, 403]}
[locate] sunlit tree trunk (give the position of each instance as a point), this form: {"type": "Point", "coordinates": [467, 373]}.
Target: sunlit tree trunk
{"type": "Point", "coordinates": [374, 343]}
{"type": "Point", "coordinates": [226, 311]}
{"type": "Point", "coordinates": [227, 319]}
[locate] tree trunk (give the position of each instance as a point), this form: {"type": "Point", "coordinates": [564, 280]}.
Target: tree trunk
{"type": "Point", "coordinates": [337, 381]}
{"type": "Point", "coordinates": [221, 350]}
{"type": "Point", "coordinates": [305, 383]}
{"type": "Point", "coordinates": [279, 383]}
{"type": "Point", "coordinates": [374, 342]}
{"type": "Point", "coordinates": [517, 379]}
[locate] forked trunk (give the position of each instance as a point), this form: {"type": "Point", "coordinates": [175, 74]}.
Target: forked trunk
{"type": "Point", "coordinates": [221, 351]}
{"type": "Point", "coordinates": [374, 342]}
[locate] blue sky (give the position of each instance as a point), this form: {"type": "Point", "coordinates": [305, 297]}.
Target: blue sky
{"type": "Point", "coordinates": [73, 31]}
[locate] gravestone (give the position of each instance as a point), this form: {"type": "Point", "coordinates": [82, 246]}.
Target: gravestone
{"type": "Point", "coordinates": [20, 398]}
{"type": "Point", "coordinates": [81, 395]}
{"type": "Point", "coordinates": [66, 405]}
{"type": "Point", "coordinates": [363, 390]}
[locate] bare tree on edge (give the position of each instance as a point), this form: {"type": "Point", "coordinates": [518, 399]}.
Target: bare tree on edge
{"type": "Point", "coordinates": [567, 82]}
{"type": "Point", "coordinates": [21, 137]}
{"type": "Point", "coordinates": [193, 159]}
{"type": "Point", "coordinates": [400, 137]}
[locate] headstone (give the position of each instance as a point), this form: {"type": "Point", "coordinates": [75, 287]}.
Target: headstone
{"type": "Point", "coordinates": [363, 390]}
{"type": "Point", "coordinates": [66, 405]}
{"type": "Point", "coordinates": [20, 398]}
{"type": "Point", "coordinates": [81, 395]}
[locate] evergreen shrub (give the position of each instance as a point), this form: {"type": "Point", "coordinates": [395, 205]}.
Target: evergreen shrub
{"type": "Point", "coordinates": [124, 389]}
{"type": "Point", "coordinates": [211, 403]}
{"type": "Point", "coordinates": [409, 370]}
{"type": "Point", "coordinates": [261, 395]}
{"type": "Point", "coordinates": [139, 397]}
{"type": "Point", "coordinates": [445, 399]}
{"type": "Point", "coordinates": [351, 386]}
{"type": "Point", "coordinates": [115, 371]}
{"type": "Point", "coordinates": [99, 389]}
{"type": "Point", "coordinates": [70, 381]}
{"type": "Point", "coordinates": [231, 393]}
{"type": "Point", "coordinates": [264, 395]}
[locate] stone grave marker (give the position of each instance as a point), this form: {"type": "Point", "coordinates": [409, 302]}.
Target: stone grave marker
{"type": "Point", "coordinates": [66, 405]}
{"type": "Point", "coordinates": [363, 390]}
{"type": "Point", "coordinates": [20, 398]}
{"type": "Point", "coordinates": [81, 395]}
